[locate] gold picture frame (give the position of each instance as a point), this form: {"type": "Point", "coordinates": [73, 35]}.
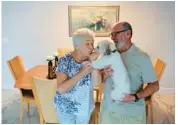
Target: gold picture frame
{"type": "Point", "coordinates": [97, 18]}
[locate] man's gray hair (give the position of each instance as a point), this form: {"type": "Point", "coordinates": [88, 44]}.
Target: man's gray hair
{"type": "Point", "coordinates": [80, 35]}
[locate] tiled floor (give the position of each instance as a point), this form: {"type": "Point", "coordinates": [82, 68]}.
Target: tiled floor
{"type": "Point", "coordinates": [10, 114]}
{"type": "Point", "coordinates": [163, 107]}
{"type": "Point", "coordinates": [11, 110]}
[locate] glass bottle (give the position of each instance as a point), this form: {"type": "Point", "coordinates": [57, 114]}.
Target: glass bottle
{"type": "Point", "coordinates": [50, 69]}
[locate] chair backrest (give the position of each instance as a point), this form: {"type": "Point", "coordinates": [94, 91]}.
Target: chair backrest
{"type": "Point", "coordinates": [62, 51]}
{"type": "Point", "coordinates": [44, 92]}
{"type": "Point", "coordinates": [159, 67]}
{"type": "Point", "coordinates": [16, 66]}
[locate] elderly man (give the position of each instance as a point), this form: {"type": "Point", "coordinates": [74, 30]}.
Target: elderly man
{"type": "Point", "coordinates": [140, 69]}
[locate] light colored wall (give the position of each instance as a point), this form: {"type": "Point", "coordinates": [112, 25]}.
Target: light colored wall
{"type": "Point", "coordinates": [36, 29]}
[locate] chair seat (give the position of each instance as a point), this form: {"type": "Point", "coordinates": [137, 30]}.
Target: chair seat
{"type": "Point", "coordinates": [28, 96]}
{"type": "Point", "coordinates": [28, 93]}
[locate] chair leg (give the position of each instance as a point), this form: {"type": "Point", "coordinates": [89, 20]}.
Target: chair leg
{"type": "Point", "coordinates": [96, 118]}
{"type": "Point", "coordinates": [151, 114]}
{"type": "Point", "coordinates": [41, 119]}
{"type": "Point", "coordinates": [97, 95]}
{"type": "Point", "coordinates": [28, 108]}
{"type": "Point", "coordinates": [93, 116]}
{"type": "Point", "coordinates": [21, 110]}
{"type": "Point", "coordinates": [96, 112]}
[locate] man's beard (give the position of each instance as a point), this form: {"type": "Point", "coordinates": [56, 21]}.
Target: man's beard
{"type": "Point", "coordinates": [119, 44]}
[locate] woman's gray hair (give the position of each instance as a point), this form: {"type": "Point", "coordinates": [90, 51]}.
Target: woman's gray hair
{"type": "Point", "coordinates": [80, 34]}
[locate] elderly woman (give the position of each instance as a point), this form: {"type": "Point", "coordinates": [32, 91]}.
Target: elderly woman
{"type": "Point", "coordinates": [74, 97]}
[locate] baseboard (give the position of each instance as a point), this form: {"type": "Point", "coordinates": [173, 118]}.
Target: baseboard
{"type": "Point", "coordinates": [166, 90]}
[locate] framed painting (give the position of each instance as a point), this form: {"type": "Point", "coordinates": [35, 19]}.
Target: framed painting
{"type": "Point", "coordinates": [97, 18]}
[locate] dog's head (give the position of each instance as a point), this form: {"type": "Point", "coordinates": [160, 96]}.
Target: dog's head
{"type": "Point", "coordinates": [105, 47]}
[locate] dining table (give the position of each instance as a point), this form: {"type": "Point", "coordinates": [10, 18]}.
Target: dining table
{"type": "Point", "coordinates": [25, 81]}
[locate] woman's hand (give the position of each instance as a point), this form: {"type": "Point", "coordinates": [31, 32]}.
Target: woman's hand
{"type": "Point", "coordinates": [94, 56]}
{"type": "Point", "coordinates": [86, 69]}
{"type": "Point", "coordinates": [106, 72]}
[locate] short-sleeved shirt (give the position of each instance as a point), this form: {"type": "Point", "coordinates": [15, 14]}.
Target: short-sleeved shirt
{"type": "Point", "coordinates": [79, 100]}
{"type": "Point", "coordinates": [140, 69]}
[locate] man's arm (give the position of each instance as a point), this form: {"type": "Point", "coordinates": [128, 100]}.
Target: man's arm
{"type": "Point", "coordinates": [148, 74]}
{"type": "Point", "coordinates": [149, 90]}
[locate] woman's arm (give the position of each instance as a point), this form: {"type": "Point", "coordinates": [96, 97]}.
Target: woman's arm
{"type": "Point", "coordinates": [64, 84]}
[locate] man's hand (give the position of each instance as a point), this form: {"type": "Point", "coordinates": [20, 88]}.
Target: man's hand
{"type": "Point", "coordinates": [128, 98]}
{"type": "Point", "coordinates": [149, 90]}
{"type": "Point", "coordinates": [106, 72]}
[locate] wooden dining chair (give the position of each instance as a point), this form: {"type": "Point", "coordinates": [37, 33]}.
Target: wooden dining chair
{"type": "Point", "coordinates": [17, 69]}
{"type": "Point", "coordinates": [98, 92]}
{"type": "Point", "coordinates": [159, 67]}
{"type": "Point", "coordinates": [44, 92]}
{"type": "Point", "coordinates": [63, 51]}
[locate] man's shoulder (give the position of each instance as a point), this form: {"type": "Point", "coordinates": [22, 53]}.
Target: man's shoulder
{"type": "Point", "coordinates": [143, 58]}
{"type": "Point", "coordinates": [139, 54]}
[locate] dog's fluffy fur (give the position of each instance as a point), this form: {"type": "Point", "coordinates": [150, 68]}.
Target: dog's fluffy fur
{"type": "Point", "coordinates": [120, 75]}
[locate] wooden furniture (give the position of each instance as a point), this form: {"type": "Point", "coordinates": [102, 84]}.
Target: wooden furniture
{"type": "Point", "coordinates": [44, 92]}
{"type": "Point", "coordinates": [159, 67]}
{"type": "Point", "coordinates": [38, 71]}
{"type": "Point", "coordinates": [25, 82]}
{"type": "Point", "coordinates": [17, 69]}
{"type": "Point", "coordinates": [62, 51]}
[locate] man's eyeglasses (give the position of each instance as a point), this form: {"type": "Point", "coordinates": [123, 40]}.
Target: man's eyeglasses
{"type": "Point", "coordinates": [117, 32]}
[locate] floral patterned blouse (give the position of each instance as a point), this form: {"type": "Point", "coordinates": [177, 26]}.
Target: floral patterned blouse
{"type": "Point", "coordinates": [78, 100]}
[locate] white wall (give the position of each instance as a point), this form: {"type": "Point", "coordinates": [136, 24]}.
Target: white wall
{"type": "Point", "coordinates": [36, 29]}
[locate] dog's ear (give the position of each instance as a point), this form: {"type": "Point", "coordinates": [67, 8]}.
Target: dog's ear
{"type": "Point", "coordinates": [108, 50]}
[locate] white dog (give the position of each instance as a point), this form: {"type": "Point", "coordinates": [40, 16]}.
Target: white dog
{"type": "Point", "coordinates": [120, 75]}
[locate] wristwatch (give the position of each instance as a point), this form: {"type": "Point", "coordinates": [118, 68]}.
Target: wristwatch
{"type": "Point", "coordinates": [136, 97]}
